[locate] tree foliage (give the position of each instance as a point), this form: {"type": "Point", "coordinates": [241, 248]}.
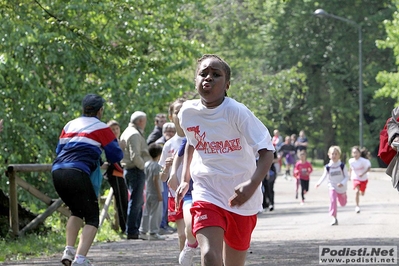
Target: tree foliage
{"type": "Point", "coordinates": [298, 71]}
{"type": "Point", "coordinates": [390, 77]}
{"type": "Point", "coordinates": [54, 52]}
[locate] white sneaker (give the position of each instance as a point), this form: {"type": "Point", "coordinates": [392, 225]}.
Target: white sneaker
{"type": "Point", "coordinates": [86, 262]}
{"type": "Point", "coordinates": [143, 236]}
{"type": "Point", "coordinates": [156, 237]}
{"type": "Point", "coordinates": [68, 257]}
{"type": "Point", "coordinates": [186, 255]}
{"type": "Point", "coordinates": [334, 221]}
{"type": "Point", "coordinates": [357, 209]}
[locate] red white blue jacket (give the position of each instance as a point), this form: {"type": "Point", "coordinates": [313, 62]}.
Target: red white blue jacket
{"type": "Point", "coordinates": [81, 142]}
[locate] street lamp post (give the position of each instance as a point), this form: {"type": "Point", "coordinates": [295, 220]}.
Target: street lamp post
{"type": "Point", "coordinates": [322, 13]}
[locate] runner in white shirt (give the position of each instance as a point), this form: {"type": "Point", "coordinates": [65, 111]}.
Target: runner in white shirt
{"type": "Point", "coordinates": [224, 139]}
{"type": "Point", "coordinates": [359, 166]}
{"type": "Point", "coordinates": [169, 150]}
{"type": "Point", "coordinates": [337, 175]}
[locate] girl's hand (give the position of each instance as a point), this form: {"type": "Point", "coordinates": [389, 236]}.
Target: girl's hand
{"type": "Point", "coordinates": [243, 192]}
{"type": "Point", "coordinates": [168, 162]}
{"type": "Point", "coordinates": [317, 185]}
{"type": "Point", "coordinates": [340, 185]}
{"type": "Point", "coordinates": [180, 193]}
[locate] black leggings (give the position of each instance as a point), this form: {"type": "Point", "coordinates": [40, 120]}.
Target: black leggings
{"type": "Point", "coordinates": [304, 187]}
{"type": "Point", "coordinates": [75, 189]}
{"type": "Point", "coordinates": [268, 191]}
{"type": "Point", "coordinates": [121, 198]}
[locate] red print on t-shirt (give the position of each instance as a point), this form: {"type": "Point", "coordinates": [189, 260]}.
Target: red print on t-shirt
{"type": "Point", "coordinates": [219, 146]}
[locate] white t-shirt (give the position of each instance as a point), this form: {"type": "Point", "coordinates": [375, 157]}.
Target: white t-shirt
{"type": "Point", "coordinates": [358, 167]}
{"type": "Point", "coordinates": [226, 141]}
{"type": "Point", "coordinates": [169, 150]}
{"type": "Point", "coordinates": [335, 176]}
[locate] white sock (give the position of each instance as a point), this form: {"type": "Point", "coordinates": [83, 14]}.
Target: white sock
{"type": "Point", "coordinates": [80, 259]}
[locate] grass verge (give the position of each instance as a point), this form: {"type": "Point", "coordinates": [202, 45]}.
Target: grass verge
{"type": "Point", "coordinates": [51, 242]}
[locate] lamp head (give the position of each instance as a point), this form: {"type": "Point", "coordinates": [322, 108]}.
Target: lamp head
{"type": "Point", "coordinates": [320, 13]}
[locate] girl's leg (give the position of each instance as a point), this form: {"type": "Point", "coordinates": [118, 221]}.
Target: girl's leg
{"type": "Point", "coordinates": [233, 257]}
{"type": "Point", "coordinates": [297, 183]}
{"type": "Point", "coordinates": [86, 239]}
{"type": "Point", "coordinates": [333, 203]}
{"type": "Point", "coordinates": [188, 252]}
{"type": "Point", "coordinates": [191, 240]}
{"type": "Point", "coordinates": [342, 198]}
{"type": "Point", "coordinates": [305, 187]}
{"type": "Point", "coordinates": [181, 233]}
{"type": "Point", "coordinates": [210, 240]}
{"type": "Point", "coordinates": [357, 195]}
{"type": "Point", "coordinates": [73, 227]}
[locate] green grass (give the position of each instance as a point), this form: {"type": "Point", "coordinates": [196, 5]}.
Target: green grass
{"type": "Point", "coordinates": [30, 246]}
{"type": "Point", "coordinates": [317, 163]}
{"type": "Point", "coordinates": [52, 242]}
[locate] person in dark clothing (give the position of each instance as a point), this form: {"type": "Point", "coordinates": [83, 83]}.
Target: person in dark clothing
{"type": "Point", "coordinates": [287, 151]}
{"type": "Point", "coordinates": [156, 133]}
{"type": "Point", "coordinates": [117, 182]}
{"type": "Point", "coordinates": [268, 186]}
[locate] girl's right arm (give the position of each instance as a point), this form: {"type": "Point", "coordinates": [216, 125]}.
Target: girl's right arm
{"type": "Point", "coordinates": [173, 182]}
{"type": "Point", "coordinates": [296, 170]}
{"type": "Point", "coordinates": [322, 178]}
{"type": "Point", "coordinates": [350, 172]}
{"type": "Point", "coordinates": [186, 177]}
{"type": "Point", "coordinates": [346, 176]}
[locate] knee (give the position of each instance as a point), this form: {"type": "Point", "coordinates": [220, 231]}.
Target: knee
{"type": "Point", "coordinates": [211, 257]}
{"type": "Point", "coordinates": [93, 221]}
{"type": "Point", "coordinates": [181, 236]}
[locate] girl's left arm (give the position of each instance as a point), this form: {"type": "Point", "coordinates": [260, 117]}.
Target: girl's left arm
{"type": "Point", "coordinates": [322, 178]}
{"type": "Point", "coordinates": [346, 175]}
{"type": "Point", "coordinates": [245, 190]}
{"type": "Point", "coordinates": [368, 169]}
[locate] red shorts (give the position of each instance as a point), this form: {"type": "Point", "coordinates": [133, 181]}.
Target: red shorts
{"type": "Point", "coordinates": [237, 228]}
{"type": "Point", "coordinates": [362, 184]}
{"type": "Point", "coordinates": [174, 215]}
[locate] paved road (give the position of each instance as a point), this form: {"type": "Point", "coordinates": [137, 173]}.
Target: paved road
{"type": "Point", "coordinates": [290, 235]}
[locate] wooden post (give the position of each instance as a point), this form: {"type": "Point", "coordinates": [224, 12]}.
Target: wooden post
{"type": "Point", "coordinates": [104, 211]}
{"type": "Point", "coordinates": [14, 222]}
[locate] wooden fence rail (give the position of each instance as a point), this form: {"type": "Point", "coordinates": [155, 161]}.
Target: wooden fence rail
{"type": "Point", "coordinates": [54, 205]}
